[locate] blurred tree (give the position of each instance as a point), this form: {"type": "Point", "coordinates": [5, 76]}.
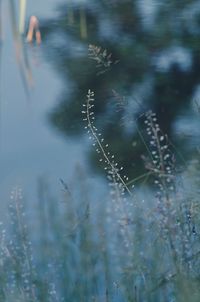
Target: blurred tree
{"type": "Point", "coordinates": [157, 49]}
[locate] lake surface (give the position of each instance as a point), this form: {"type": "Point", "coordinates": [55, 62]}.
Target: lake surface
{"type": "Point", "coordinates": [154, 65]}
{"type": "Point", "coordinates": [29, 146]}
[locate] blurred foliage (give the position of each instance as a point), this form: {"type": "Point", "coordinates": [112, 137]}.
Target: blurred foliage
{"type": "Point", "coordinates": [158, 68]}
{"type": "Point", "coordinates": [73, 248]}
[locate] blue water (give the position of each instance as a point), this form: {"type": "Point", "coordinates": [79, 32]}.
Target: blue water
{"type": "Point", "coordinates": [32, 147]}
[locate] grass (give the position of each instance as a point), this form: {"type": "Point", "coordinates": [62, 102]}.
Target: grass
{"type": "Point", "coordinates": [126, 250]}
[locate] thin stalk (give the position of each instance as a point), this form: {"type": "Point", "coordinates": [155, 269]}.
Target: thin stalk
{"type": "Point", "coordinates": [90, 125]}
{"type": "Point", "coordinates": [22, 15]}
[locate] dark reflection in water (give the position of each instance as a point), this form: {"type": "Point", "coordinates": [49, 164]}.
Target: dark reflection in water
{"type": "Point", "coordinates": [155, 46]}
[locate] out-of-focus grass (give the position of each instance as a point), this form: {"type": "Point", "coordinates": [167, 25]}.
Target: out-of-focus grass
{"type": "Point", "coordinates": [68, 250]}
{"type": "Point", "coordinates": [118, 249]}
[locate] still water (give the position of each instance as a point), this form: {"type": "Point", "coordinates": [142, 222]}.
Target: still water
{"type": "Point", "coordinates": [30, 148]}
{"type": "Point", "coordinates": [154, 65]}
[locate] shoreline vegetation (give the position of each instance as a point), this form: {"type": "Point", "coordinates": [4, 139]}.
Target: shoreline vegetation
{"type": "Point", "coordinates": [125, 249]}
{"type": "Point", "coordinates": [128, 250]}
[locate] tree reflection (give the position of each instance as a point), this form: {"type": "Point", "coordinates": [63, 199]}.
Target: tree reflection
{"type": "Point", "coordinates": [158, 69]}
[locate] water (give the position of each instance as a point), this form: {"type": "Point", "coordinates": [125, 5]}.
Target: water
{"type": "Point", "coordinates": [154, 49]}
{"type": "Point", "coordinates": [156, 68]}
{"type": "Point", "coordinates": [29, 146]}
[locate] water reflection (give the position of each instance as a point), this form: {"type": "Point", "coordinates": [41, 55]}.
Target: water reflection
{"type": "Point", "coordinates": [29, 148]}
{"type": "Point", "coordinates": [156, 46]}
